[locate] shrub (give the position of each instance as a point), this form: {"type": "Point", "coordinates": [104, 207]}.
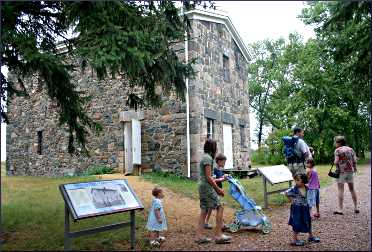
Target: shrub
{"type": "Point", "coordinates": [98, 170]}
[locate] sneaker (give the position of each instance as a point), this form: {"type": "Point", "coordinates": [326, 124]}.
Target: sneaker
{"type": "Point", "coordinates": [155, 243]}
{"type": "Point", "coordinates": [298, 243]}
{"type": "Point", "coordinates": [314, 239]}
{"type": "Point", "coordinates": [161, 239]}
{"type": "Point", "coordinates": [207, 226]}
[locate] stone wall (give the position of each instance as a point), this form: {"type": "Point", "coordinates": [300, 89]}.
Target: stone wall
{"type": "Point", "coordinates": [224, 101]}
{"type": "Point", "coordinates": [163, 131]}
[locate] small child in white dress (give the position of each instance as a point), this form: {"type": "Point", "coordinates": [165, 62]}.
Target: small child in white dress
{"type": "Point", "coordinates": [156, 220]}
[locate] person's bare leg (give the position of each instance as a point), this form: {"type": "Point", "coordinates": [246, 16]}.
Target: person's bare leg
{"type": "Point", "coordinates": [153, 236]}
{"type": "Point", "coordinates": [208, 216]}
{"type": "Point", "coordinates": [295, 238]}
{"type": "Point", "coordinates": [353, 195]}
{"type": "Point", "coordinates": [317, 209]}
{"type": "Point", "coordinates": [218, 228]}
{"type": "Point", "coordinates": [200, 232]}
{"type": "Point", "coordinates": [340, 187]}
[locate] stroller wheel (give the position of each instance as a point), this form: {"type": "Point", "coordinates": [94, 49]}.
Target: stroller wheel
{"type": "Point", "coordinates": [234, 227]}
{"type": "Point", "coordinates": [266, 227]}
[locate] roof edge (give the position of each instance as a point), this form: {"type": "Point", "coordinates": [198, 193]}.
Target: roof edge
{"type": "Point", "coordinates": [221, 19]}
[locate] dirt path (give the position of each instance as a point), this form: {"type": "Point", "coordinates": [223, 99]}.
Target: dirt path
{"type": "Point", "coordinates": [348, 232]}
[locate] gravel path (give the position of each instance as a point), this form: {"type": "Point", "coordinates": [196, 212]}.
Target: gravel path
{"type": "Point", "coordinates": [348, 232]}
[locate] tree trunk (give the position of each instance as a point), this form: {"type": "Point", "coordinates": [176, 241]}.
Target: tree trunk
{"type": "Point", "coordinates": [260, 131]}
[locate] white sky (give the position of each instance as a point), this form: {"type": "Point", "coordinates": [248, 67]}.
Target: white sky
{"type": "Point", "coordinates": [254, 20]}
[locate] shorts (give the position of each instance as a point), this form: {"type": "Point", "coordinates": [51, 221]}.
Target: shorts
{"type": "Point", "coordinates": [297, 168]}
{"type": "Point", "coordinates": [313, 197]}
{"type": "Point", "coordinates": [209, 198]}
{"type": "Point", "coordinates": [345, 178]}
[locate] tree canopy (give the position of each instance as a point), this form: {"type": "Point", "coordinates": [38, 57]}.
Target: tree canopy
{"type": "Point", "coordinates": [323, 84]}
{"type": "Point", "coordinates": [128, 38]}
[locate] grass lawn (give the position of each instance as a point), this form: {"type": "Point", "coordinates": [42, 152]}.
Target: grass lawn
{"type": "Point", "coordinates": [33, 218]}
{"type": "Point", "coordinates": [254, 186]}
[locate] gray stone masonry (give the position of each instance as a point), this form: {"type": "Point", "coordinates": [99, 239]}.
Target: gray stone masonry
{"type": "Point", "coordinates": [163, 130]}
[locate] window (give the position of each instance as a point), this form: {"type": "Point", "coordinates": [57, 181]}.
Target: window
{"type": "Point", "coordinates": [242, 136]}
{"type": "Point", "coordinates": [209, 128]}
{"type": "Point", "coordinates": [226, 68]}
{"type": "Point", "coordinates": [39, 141]}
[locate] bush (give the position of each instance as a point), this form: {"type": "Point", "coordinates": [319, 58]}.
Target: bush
{"type": "Point", "coordinates": [98, 170]}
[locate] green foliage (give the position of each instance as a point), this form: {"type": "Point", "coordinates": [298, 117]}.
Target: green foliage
{"type": "Point", "coordinates": [98, 170]}
{"type": "Point", "coordinates": [128, 38]}
{"type": "Point", "coordinates": [264, 74]}
{"type": "Point", "coordinates": [322, 85]}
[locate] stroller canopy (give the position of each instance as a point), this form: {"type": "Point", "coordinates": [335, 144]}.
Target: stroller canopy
{"type": "Point", "coordinates": [238, 193]}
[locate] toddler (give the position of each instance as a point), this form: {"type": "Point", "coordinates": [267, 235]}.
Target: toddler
{"type": "Point", "coordinates": [156, 220]}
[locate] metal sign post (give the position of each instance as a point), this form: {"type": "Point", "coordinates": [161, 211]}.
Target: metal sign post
{"type": "Point", "coordinates": [70, 235]}
{"type": "Point", "coordinates": [274, 175]}
{"type": "Point", "coordinates": [98, 198]}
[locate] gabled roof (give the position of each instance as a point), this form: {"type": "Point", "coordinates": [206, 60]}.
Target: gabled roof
{"type": "Point", "coordinates": [213, 16]}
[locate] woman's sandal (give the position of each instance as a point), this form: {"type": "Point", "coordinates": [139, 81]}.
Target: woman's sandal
{"type": "Point", "coordinates": [298, 243]}
{"type": "Point", "coordinates": [203, 240]}
{"type": "Point", "coordinates": [223, 240]}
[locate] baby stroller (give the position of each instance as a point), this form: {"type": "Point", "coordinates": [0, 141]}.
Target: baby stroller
{"type": "Point", "coordinates": [250, 215]}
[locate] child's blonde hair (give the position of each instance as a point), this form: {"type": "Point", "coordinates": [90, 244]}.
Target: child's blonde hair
{"type": "Point", "coordinates": [156, 191]}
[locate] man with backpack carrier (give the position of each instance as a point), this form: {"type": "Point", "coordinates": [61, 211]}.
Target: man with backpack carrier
{"type": "Point", "coordinates": [296, 151]}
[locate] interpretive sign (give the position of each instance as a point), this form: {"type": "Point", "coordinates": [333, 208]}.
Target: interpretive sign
{"type": "Point", "coordinates": [274, 174]}
{"type": "Point", "coordinates": [97, 198]}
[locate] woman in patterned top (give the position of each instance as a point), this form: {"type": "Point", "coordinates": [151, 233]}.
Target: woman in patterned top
{"type": "Point", "coordinates": [345, 161]}
{"type": "Point", "coordinates": [300, 219]}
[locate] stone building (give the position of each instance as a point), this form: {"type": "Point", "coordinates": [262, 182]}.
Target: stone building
{"type": "Point", "coordinates": [170, 138]}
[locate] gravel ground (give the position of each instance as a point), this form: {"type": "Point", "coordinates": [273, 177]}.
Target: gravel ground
{"type": "Point", "coordinates": [348, 232]}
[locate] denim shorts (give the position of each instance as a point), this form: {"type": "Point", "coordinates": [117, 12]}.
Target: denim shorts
{"type": "Point", "coordinates": [313, 197]}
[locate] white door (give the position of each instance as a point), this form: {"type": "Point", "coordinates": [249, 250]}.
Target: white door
{"type": "Point", "coordinates": [227, 145]}
{"type": "Point", "coordinates": [136, 141]}
{"type": "Point", "coordinates": [128, 157]}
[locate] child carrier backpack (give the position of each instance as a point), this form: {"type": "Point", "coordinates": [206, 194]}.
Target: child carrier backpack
{"type": "Point", "coordinates": [291, 153]}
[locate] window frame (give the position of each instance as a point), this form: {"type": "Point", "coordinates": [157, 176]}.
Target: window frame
{"type": "Point", "coordinates": [39, 142]}
{"type": "Point", "coordinates": [210, 128]}
{"type": "Point", "coordinates": [242, 135]}
{"type": "Point", "coordinates": [226, 67]}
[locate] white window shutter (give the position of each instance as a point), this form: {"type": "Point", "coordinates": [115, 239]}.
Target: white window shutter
{"type": "Point", "coordinates": [136, 141]}
{"type": "Point", "coordinates": [227, 146]}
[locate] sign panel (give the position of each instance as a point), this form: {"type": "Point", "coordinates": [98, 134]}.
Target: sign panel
{"type": "Point", "coordinates": [102, 197]}
{"type": "Point", "coordinates": [276, 174]}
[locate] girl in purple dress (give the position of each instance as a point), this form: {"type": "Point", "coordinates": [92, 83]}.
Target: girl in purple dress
{"type": "Point", "coordinates": [314, 186]}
